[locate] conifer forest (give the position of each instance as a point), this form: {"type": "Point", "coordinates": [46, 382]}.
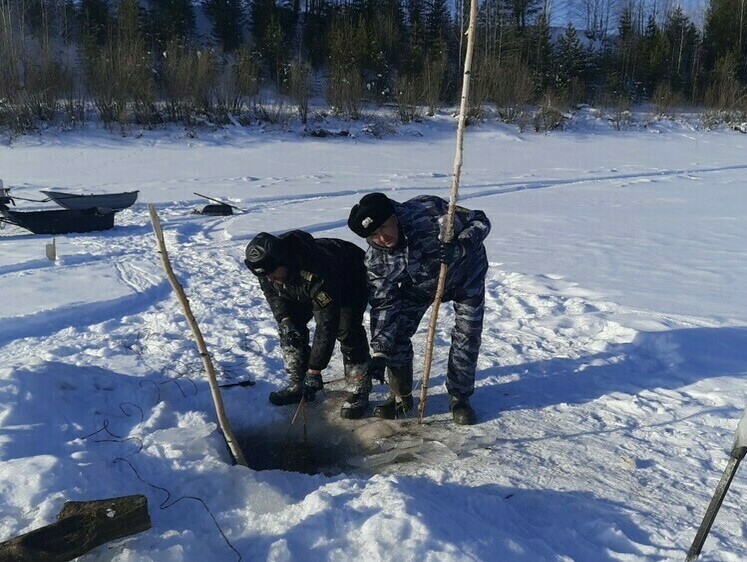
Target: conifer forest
{"type": "Point", "coordinates": [221, 61]}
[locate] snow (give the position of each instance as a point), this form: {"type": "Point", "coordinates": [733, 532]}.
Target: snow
{"type": "Point", "coordinates": [609, 385]}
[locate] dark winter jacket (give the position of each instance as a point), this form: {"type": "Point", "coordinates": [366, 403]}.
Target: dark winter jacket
{"type": "Point", "coordinates": [327, 274]}
{"type": "Point", "coordinates": [411, 269]}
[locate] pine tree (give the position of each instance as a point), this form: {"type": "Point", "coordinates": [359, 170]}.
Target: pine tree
{"type": "Point", "coordinates": [522, 12]}
{"type": "Point", "coordinates": [227, 18]}
{"type": "Point", "coordinates": [570, 60]}
{"type": "Point", "coordinates": [541, 55]}
{"type": "Point", "coordinates": [726, 32]}
{"type": "Point", "coordinates": [95, 19]}
{"type": "Point", "coordinates": [315, 32]}
{"type": "Point", "coordinates": [657, 51]}
{"type": "Point", "coordinates": [682, 37]}
{"type": "Point", "coordinates": [627, 52]}
{"type": "Point", "coordinates": [172, 20]}
{"type": "Point", "coordinates": [437, 23]}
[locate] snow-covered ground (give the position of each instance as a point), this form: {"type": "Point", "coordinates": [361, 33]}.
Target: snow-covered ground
{"type": "Point", "coordinates": [610, 382]}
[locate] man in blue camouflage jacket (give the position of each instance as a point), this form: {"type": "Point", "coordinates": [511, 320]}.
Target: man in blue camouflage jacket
{"type": "Point", "coordinates": [403, 262]}
{"type": "Point", "coordinates": [324, 278]}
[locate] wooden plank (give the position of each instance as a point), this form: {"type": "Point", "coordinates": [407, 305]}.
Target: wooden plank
{"type": "Point", "coordinates": [80, 527]}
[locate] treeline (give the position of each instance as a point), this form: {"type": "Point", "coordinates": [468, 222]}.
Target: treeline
{"type": "Point", "coordinates": [146, 62]}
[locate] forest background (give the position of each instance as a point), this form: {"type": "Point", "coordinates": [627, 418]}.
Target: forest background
{"type": "Point", "coordinates": [145, 63]}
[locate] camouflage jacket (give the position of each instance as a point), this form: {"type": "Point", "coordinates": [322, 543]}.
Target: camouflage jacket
{"type": "Point", "coordinates": [411, 269]}
{"type": "Point", "coordinates": [327, 274]}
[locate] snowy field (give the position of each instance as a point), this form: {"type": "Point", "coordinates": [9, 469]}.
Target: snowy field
{"type": "Point", "coordinates": [610, 383]}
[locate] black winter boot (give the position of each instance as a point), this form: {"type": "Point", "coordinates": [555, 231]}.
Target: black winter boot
{"type": "Point", "coordinates": [291, 394]}
{"type": "Point", "coordinates": [357, 401]}
{"type": "Point", "coordinates": [400, 401]}
{"type": "Point", "coordinates": [461, 410]}
{"type": "Point", "coordinates": [393, 407]}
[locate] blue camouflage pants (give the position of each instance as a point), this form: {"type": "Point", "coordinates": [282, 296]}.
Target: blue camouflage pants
{"type": "Point", "coordinates": [466, 335]}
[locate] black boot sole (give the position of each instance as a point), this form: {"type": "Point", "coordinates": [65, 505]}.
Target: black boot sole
{"type": "Point", "coordinates": [284, 400]}
{"type": "Point", "coordinates": [464, 417]}
{"type": "Point", "coordinates": [352, 413]}
{"type": "Point", "coordinates": [392, 412]}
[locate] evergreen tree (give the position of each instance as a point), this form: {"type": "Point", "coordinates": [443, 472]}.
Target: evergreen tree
{"type": "Point", "coordinates": [655, 55]}
{"type": "Point", "coordinates": [570, 60]}
{"type": "Point", "coordinates": [95, 21]}
{"type": "Point", "coordinates": [416, 44]}
{"type": "Point", "coordinates": [726, 32]}
{"type": "Point", "coordinates": [315, 32]}
{"type": "Point", "coordinates": [227, 18]}
{"type": "Point", "coordinates": [437, 23]}
{"type": "Point", "coordinates": [274, 51]}
{"type": "Point", "coordinates": [625, 74]}
{"type": "Point", "coordinates": [682, 37]}
{"type": "Point", "coordinates": [522, 12]}
{"type": "Point", "coordinates": [541, 55]}
{"type": "Point", "coordinates": [172, 20]}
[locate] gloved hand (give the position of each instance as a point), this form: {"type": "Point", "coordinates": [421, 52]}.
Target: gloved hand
{"type": "Point", "coordinates": [376, 366]}
{"type": "Point", "coordinates": [449, 252]}
{"type": "Point", "coordinates": [312, 384]}
{"type": "Point", "coordinates": [289, 334]}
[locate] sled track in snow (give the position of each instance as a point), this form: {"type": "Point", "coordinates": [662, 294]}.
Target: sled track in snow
{"type": "Point", "coordinates": [469, 191]}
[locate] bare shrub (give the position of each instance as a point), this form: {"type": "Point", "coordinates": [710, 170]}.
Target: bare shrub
{"type": "Point", "coordinates": [407, 93]}
{"type": "Point", "coordinates": [119, 74]}
{"type": "Point", "coordinates": [434, 74]}
{"type": "Point", "coordinates": [45, 77]}
{"type": "Point", "coordinates": [665, 100]}
{"type": "Point", "coordinates": [726, 95]}
{"type": "Point", "coordinates": [618, 106]}
{"type": "Point", "coordinates": [548, 117]}
{"type": "Point", "coordinates": [14, 111]}
{"type": "Point", "coordinates": [247, 64]}
{"type": "Point", "coordinates": [344, 91]}
{"type": "Point", "coordinates": [299, 87]}
{"type": "Point", "coordinates": [271, 112]}
{"type": "Point", "coordinates": [513, 90]}
{"type": "Point", "coordinates": [347, 43]}
{"type": "Point", "coordinates": [189, 78]}
{"type": "Point", "coordinates": [10, 54]}
{"type": "Point", "coordinates": [483, 84]}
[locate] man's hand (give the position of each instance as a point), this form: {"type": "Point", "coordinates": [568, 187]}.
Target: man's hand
{"type": "Point", "coordinates": [376, 366]}
{"type": "Point", "coordinates": [449, 252]}
{"type": "Point", "coordinates": [289, 334]}
{"type": "Point", "coordinates": [312, 383]}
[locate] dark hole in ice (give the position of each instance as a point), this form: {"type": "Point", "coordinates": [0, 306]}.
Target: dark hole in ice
{"type": "Point", "coordinates": [268, 453]}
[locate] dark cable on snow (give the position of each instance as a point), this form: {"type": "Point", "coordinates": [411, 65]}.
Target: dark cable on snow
{"type": "Point", "coordinates": [165, 504]}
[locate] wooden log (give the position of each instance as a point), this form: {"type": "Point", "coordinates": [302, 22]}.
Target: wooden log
{"type": "Point", "coordinates": [80, 527]}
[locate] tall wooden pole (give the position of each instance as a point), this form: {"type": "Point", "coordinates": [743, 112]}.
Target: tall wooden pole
{"type": "Point", "coordinates": [201, 347]}
{"type": "Point", "coordinates": [447, 228]}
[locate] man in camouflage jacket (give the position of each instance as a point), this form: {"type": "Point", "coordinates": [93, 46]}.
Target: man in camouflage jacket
{"type": "Point", "coordinates": [403, 261]}
{"type": "Point", "coordinates": [325, 279]}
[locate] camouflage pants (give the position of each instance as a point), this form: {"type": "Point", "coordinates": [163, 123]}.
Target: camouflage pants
{"type": "Point", "coordinates": [350, 333]}
{"type": "Point", "coordinates": [466, 336]}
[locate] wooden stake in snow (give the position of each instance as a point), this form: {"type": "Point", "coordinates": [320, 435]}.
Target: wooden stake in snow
{"type": "Point", "coordinates": [447, 228]}
{"type": "Point", "coordinates": [201, 347]}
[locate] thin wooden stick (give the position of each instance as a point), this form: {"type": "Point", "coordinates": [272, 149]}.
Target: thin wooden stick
{"type": "Point", "coordinates": [201, 347]}
{"type": "Point", "coordinates": [447, 228]}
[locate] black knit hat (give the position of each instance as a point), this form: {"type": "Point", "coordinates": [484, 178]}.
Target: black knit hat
{"type": "Point", "coordinates": [265, 253]}
{"type": "Point", "coordinates": [368, 215]}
